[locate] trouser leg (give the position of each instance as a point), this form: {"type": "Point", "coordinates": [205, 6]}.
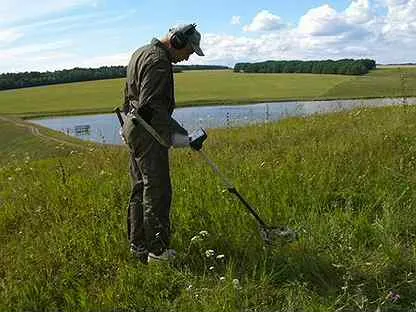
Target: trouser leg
{"type": "Point", "coordinates": [135, 224]}
{"type": "Point", "coordinates": [157, 195]}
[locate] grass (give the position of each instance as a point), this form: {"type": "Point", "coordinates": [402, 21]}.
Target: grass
{"type": "Point", "coordinates": [81, 97]}
{"type": "Point", "coordinates": [343, 181]}
{"type": "Point", "coordinates": [209, 87]}
{"type": "Point", "coordinates": [394, 82]}
{"type": "Point", "coordinates": [20, 141]}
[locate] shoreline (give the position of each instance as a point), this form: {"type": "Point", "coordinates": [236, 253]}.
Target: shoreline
{"type": "Point", "coordinates": [202, 103]}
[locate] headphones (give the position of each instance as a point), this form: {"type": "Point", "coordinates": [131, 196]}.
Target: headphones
{"type": "Point", "coordinates": [179, 39]}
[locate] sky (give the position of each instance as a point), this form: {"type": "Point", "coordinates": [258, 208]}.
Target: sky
{"type": "Point", "coordinates": [48, 35]}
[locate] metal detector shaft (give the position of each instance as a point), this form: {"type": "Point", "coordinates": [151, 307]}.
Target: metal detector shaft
{"type": "Point", "coordinates": [231, 188]}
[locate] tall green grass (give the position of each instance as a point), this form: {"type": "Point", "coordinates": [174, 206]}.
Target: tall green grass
{"type": "Point", "coordinates": [209, 87]}
{"type": "Point", "coordinates": [343, 181]}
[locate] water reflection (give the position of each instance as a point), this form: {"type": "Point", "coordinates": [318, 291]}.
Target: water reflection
{"type": "Point", "coordinates": [104, 128]}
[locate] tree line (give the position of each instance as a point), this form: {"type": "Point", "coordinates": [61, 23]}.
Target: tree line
{"type": "Point", "coordinates": [343, 67]}
{"type": "Point", "coordinates": [32, 79]}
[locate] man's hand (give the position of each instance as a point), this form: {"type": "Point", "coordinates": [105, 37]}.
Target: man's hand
{"type": "Point", "coordinates": [196, 139]}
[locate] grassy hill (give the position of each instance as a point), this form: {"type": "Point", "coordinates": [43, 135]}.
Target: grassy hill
{"type": "Point", "coordinates": [211, 87]}
{"type": "Point", "coordinates": [21, 141]}
{"type": "Point", "coordinates": [343, 181]}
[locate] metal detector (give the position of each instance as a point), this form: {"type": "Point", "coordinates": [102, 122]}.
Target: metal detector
{"type": "Point", "coordinates": [271, 235]}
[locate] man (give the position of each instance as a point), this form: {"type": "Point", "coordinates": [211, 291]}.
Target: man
{"type": "Point", "coordinates": [149, 131]}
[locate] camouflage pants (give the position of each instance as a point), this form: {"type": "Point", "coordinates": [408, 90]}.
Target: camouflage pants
{"type": "Point", "coordinates": [150, 199]}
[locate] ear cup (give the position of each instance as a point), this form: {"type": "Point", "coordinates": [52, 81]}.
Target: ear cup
{"type": "Point", "coordinates": [178, 40]}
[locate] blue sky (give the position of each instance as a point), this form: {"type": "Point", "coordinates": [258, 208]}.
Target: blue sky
{"type": "Point", "coordinates": [56, 34]}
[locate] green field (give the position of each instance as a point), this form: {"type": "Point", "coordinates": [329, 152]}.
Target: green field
{"type": "Point", "coordinates": [211, 87]}
{"type": "Point", "coordinates": [343, 181]}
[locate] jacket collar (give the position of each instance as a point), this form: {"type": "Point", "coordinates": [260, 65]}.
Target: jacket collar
{"type": "Point", "coordinates": [156, 42]}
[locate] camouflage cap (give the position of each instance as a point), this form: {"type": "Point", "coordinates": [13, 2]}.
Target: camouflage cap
{"type": "Point", "coordinates": [194, 38]}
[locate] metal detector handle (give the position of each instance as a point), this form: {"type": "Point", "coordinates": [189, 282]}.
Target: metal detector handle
{"type": "Point", "coordinates": [231, 188]}
{"type": "Point", "coordinates": [120, 118]}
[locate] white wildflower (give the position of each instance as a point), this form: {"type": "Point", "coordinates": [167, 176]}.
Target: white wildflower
{"type": "Point", "coordinates": [222, 278]}
{"type": "Point", "coordinates": [203, 234]}
{"type": "Point", "coordinates": [236, 283]}
{"type": "Point", "coordinates": [195, 239]}
{"type": "Point", "coordinates": [209, 253]}
{"type": "Point", "coordinates": [220, 257]}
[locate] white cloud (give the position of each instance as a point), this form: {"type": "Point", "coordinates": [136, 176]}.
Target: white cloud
{"type": "Point", "coordinates": [32, 57]}
{"type": "Point", "coordinates": [30, 50]}
{"type": "Point", "coordinates": [227, 50]}
{"type": "Point", "coordinates": [236, 20]}
{"type": "Point", "coordinates": [401, 19]}
{"type": "Point", "coordinates": [264, 21]}
{"type": "Point", "coordinates": [359, 12]}
{"type": "Point", "coordinates": [19, 10]}
{"type": "Point", "coordinates": [8, 36]}
{"type": "Point", "coordinates": [322, 21]}
{"type": "Point", "coordinates": [106, 60]}
{"type": "Point", "coordinates": [357, 22]}
{"type": "Point", "coordinates": [52, 58]}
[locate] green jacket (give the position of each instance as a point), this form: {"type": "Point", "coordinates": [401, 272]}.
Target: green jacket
{"type": "Point", "coordinates": [149, 86]}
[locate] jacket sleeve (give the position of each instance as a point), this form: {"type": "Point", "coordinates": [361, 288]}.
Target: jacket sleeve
{"type": "Point", "coordinates": [156, 95]}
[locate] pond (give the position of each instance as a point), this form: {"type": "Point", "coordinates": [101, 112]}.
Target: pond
{"type": "Point", "coordinates": [103, 128]}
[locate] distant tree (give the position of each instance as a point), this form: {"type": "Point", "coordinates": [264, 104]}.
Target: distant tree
{"type": "Point", "coordinates": [343, 66]}
{"type": "Point", "coordinates": [31, 79]}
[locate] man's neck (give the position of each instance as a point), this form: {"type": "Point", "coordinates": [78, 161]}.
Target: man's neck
{"type": "Point", "coordinates": [166, 43]}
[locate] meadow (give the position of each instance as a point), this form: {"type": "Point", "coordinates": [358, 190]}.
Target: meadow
{"type": "Point", "coordinates": [343, 181]}
{"type": "Point", "coordinates": [211, 88]}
